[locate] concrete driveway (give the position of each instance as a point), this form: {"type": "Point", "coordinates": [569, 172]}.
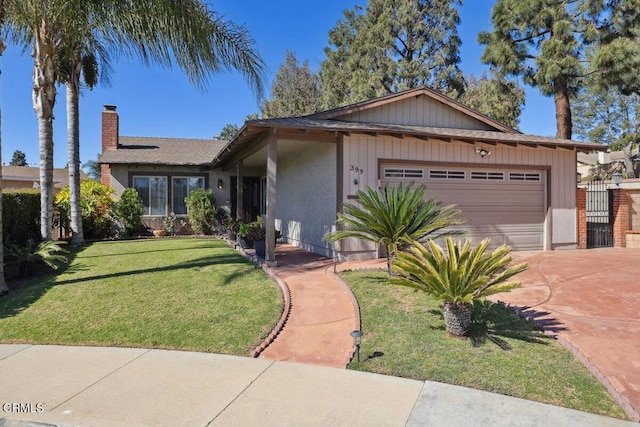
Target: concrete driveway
{"type": "Point", "coordinates": [590, 299]}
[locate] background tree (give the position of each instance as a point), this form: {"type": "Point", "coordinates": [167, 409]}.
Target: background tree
{"type": "Point", "coordinates": [606, 116]}
{"type": "Point", "coordinates": [545, 42]}
{"type": "Point", "coordinates": [497, 97]}
{"type": "Point", "coordinates": [390, 46]}
{"type": "Point", "coordinates": [18, 159]}
{"type": "Point", "coordinates": [294, 92]}
{"type": "Point", "coordinates": [93, 170]}
{"type": "Point", "coordinates": [228, 132]}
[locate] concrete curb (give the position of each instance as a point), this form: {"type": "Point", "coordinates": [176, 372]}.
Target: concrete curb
{"type": "Point", "coordinates": [626, 406]}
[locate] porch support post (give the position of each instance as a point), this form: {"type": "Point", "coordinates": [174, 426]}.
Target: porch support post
{"type": "Point", "coordinates": [272, 163]}
{"type": "Point", "coordinates": [239, 191]}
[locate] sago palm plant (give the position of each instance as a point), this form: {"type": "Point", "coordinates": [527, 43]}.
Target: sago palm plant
{"type": "Point", "coordinates": [457, 276]}
{"type": "Point", "coordinates": [395, 216]}
{"type": "Point", "coordinates": [48, 252]}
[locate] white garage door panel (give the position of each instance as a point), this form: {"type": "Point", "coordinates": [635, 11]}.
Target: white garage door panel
{"type": "Point", "coordinates": [510, 210]}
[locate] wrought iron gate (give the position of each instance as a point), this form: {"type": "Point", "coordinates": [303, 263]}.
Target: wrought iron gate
{"type": "Point", "coordinates": [599, 227]}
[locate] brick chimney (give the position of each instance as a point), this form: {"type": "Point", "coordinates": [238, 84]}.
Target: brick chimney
{"type": "Point", "coordinates": [110, 132]}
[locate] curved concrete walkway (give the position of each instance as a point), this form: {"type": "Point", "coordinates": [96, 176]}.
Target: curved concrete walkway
{"type": "Point", "coordinates": [318, 330]}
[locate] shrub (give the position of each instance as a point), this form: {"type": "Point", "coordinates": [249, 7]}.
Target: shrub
{"type": "Point", "coordinates": [20, 216]}
{"type": "Point", "coordinates": [201, 208]}
{"type": "Point", "coordinates": [48, 252]}
{"type": "Point", "coordinates": [129, 211]}
{"type": "Point", "coordinates": [96, 201]}
{"type": "Point", "coordinates": [458, 276]}
{"type": "Point", "coordinates": [395, 217]}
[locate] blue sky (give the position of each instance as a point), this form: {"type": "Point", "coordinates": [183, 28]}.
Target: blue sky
{"type": "Point", "coordinates": [153, 101]}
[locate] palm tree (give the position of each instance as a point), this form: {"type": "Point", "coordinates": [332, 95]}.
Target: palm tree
{"type": "Point", "coordinates": [457, 277]}
{"type": "Point", "coordinates": [395, 217]}
{"type": "Point", "coordinates": [200, 41]}
{"type": "Point", "coordinates": [3, 283]}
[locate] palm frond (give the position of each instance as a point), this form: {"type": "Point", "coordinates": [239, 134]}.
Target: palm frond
{"type": "Point", "coordinates": [460, 274]}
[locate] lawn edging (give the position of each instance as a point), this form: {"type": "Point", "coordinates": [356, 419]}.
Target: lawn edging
{"type": "Point", "coordinates": [286, 311]}
{"type": "Point", "coordinates": [354, 302]}
{"type": "Point", "coordinates": [286, 295]}
{"type": "Point", "coordinates": [626, 406]}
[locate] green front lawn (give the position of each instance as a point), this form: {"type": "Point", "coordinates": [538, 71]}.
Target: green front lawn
{"type": "Point", "coordinates": [404, 336]}
{"type": "Point", "coordinates": [187, 294]}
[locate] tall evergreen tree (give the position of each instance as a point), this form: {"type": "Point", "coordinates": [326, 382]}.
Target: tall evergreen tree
{"type": "Point", "coordinates": [390, 46]}
{"type": "Point", "coordinates": [545, 42]}
{"type": "Point", "coordinates": [497, 97]}
{"type": "Point", "coordinates": [606, 116]}
{"type": "Point", "coordinates": [295, 90]}
{"type": "Point", "coordinates": [18, 159]}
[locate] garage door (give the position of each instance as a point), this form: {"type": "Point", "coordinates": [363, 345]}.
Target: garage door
{"type": "Point", "coordinates": [507, 206]}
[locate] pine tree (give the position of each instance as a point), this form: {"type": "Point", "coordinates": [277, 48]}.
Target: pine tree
{"type": "Point", "coordinates": [545, 42]}
{"type": "Point", "coordinates": [390, 46]}
{"type": "Point", "coordinates": [18, 159]}
{"type": "Point", "coordinates": [295, 91]}
{"type": "Point", "coordinates": [497, 97]}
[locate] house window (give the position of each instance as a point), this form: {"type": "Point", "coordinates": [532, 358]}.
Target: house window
{"type": "Point", "coordinates": [403, 173]}
{"type": "Point", "coordinates": [491, 176]}
{"type": "Point", "coordinates": [446, 174]}
{"type": "Point", "coordinates": [182, 187]}
{"type": "Point", "coordinates": [153, 190]}
{"type": "Point", "coordinates": [524, 176]}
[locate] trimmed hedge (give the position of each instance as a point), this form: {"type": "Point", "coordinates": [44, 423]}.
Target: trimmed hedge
{"type": "Point", "coordinates": [20, 216]}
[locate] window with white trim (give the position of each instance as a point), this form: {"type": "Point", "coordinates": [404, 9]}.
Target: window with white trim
{"type": "Point", "coordinates": [524, 176]}
{"type": "Point", "coordinates": [446, 174]}
{"type": "Point", "coordinates": [153, 191]}
{"type": "Point", "coordinates": [487, 175]}
{"type": "Point", "coordinates": [182, 186]}
{"type": "Point", "coordinates": [411, 173]}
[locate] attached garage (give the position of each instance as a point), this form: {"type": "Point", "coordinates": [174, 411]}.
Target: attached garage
{"type": "Point", "coordinates": [506, 205]}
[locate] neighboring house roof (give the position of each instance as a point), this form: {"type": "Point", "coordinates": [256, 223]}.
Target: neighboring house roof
{"type": "Point", "coordinates": [32, 174]}
{"type": "Point", "coordinates": [163, 151]}
{"type": "Point", "coordinates": [394, 97]}
{"type": "Point", "coordinates": [604, 158]}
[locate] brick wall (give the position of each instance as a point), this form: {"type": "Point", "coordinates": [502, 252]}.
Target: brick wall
{"type": "Point", "coordinates": [110, 132]}
{"type": "Point", "coordinates": [581, 221]}
{"type": "Point", "coordinates": [619, 216]}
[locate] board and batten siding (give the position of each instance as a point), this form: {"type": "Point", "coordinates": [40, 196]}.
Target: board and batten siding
{"type": "Point", "coordinates": [418, 111]}
{"type": "Point", "coordinates": [306, 196]}
{"type": "Point", "coordinates": [365, 153]}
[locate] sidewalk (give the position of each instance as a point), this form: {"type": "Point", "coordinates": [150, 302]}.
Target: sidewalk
{"type": "Point", "coordinates": [101, 386]}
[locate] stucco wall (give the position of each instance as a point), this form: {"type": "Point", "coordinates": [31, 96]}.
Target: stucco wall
{"type": "Point", "coordinates": [120, 179]}
{"type": "Point", "coordinates": [306, 196]}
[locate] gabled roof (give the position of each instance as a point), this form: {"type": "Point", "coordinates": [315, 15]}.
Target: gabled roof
{"type": "Point", "coordinates": [32, 174]}
{"type": "Point", "coordinates": [163, 151]}
{"type": "Point", "coordinates": [301, 125]}
{"type": "Point", "coordinates": [394, 97]}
